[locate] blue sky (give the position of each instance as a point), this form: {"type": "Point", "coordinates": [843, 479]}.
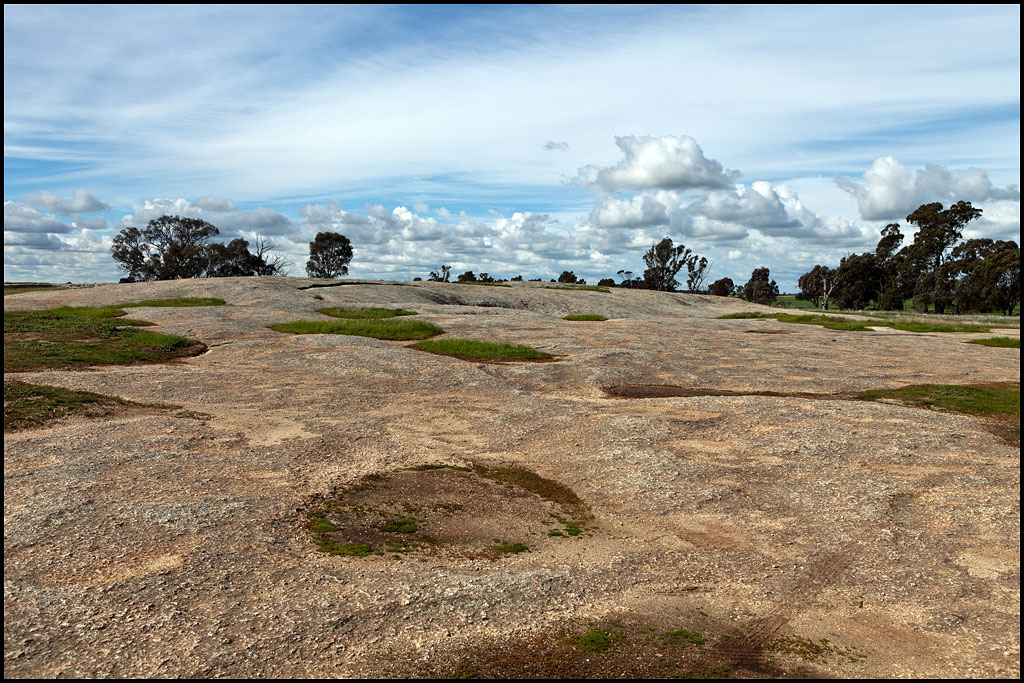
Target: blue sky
{"type": "Point", "coordinates": [506, 139]}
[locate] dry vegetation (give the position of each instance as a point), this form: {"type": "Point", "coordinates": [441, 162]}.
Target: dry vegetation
{"type": "Point", "coordinates": [671, 494]}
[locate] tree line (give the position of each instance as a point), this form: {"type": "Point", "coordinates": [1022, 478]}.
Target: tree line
{"type": "Point", "coordinates": [175, 248]}
{"type": "Point", "coordinates": [938, 271]}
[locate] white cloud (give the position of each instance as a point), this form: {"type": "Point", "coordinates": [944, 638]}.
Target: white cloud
{"type": "Point", "coordinates": [891, 191]}
{"type": "Point", "coordinates": [552, 146]}
{"type": "Point", "coordinates": [639, 211]}
{"type": "Point", "coordinates": [759, 207]}
{"type": "Point", "coordinates": [215, 204]}
{"type": "Point", "coordinates": [666, 162]}
{"type": "Point", "coordinates": [21, 218]}
{"type": "Point", "coordinates": [83, 202]}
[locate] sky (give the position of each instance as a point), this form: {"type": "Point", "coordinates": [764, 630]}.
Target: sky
{"type": "Point", "coordinates": [512, 140]}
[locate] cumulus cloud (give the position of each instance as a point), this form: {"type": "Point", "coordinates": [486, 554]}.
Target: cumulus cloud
{"type": "Point", "coordinates": [649, 163]}
{"type": "Point", "coordinates": [21, 218]}
{"type": "Point", "coordinates": [639, 211]}
{"type": "Point", "coordinates": [891, 191]}
{"type": "Point", "coordinates": [151, 209]}
{"type": "Point", "coordinates": [759, 207]}
{"type": "Point", "coordinates": [727, 215]}
{"type": "Point", "coordinates": [215, 204]}
{"type": "Point", "coordinates": [83, 202]}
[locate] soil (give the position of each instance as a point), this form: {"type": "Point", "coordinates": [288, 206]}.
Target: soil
{"type": "Point", "coordinates": [734, 494]}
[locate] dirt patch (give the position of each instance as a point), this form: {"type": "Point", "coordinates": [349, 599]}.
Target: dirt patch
{"type": "Point", "coordinates": [449, 511]}
{"type": "Point", "coordinates": [630, 646]}
{"type": "Point", "coordinates": [672, 391]}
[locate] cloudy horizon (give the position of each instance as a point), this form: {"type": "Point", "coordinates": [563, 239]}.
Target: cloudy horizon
{"type": "Point", "coordinates": [508, 140]}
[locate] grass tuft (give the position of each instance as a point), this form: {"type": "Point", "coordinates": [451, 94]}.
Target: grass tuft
{"type": "Point", "coordinates": [30, 405]}
{"type": "Point", "coordinates": [746, 315]}
{"type": "Point", "coordinates": [365, 313]}
{"type": "Point", "coordinates": [468, 349]}
{"type": "Point", "coordinates": [505, 548]}
{"type": "Point", "coordinates": [27, 406]}
{"type": "Point", "coordinates": [682, 635]}
{"type": "Point", "coordinates": [846, 324]}
{"type": "Point", "coordinates": [395, 330]}
{"type": "Point", "coordinates": [1000, 405]}
{"type": "Point", "coordinates": [586, 317]}
{"type": "Point", "coordinates": [593, 640]}
{"type": "Point", "coordinates": [998, 342]}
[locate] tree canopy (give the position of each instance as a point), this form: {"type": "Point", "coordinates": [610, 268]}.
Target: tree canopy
{"type": "Point", "coordinates": [329, 255]}
{"type": "Point", "coordinates": [176, 247]}
{"type": "Point", "coordinates": [936, 271]}
{"type": "Point", "coordinates": [664, 260]}
{"type": "Point", "coordinates": [759, 288]}
{"type": "Point", "coordinates": [722, 287]}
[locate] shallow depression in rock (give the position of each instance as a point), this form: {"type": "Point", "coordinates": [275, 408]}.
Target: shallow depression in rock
{"type": "Point", "coordinates": [478, 513]}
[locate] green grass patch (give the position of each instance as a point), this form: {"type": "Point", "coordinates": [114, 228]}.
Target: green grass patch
{"type": "Point", "coordinates": [746, 315]}
{"type": "Point", "coordinates": [27, 406]}
{"type": "Point", "coordinates": [365, 313]}
{"type": "Point", "coordinates": [394, 330]}
{"type": "Point", "coordinates": [849, 325]}
{"type": "Point", "coordinates": [582, 288]}
{"type": "Point", "coordinates": [999, 342]}
{"type": "Point", "coordinates": [505, 548]}
{"type": "Point", "coordinates": [484, 284]}
{"type": "Point", "coordinates": [973, 400]}
{"type": "Point", "coordinates": [586, 317]}
{"type": "Point", "coordinates": [593, 640]}
{"type": "Point", "coordinates": [792, 302]}
{"type": "Point", "coordinates": [33, 405]}
{"type": "Point", "coordinates": [179, 302]}
{"type": "Point", "coordinates": [468, 349]}
{"type": "Point", "coordinates": [403, 525]}
{"type": "Point", "coordinates": [998, 405]}
{"type": "Point", "coordinates": [72, 337]}
{"type": "Point", "coordinates": [684, 636]}
{"type": "Point", "coordinates": [332, 547]}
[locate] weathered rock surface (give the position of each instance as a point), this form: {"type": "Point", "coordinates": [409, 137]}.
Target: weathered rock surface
{"type": "Point", "coordinates": [159, 546]}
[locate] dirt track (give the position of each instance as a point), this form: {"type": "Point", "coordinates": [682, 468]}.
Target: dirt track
{"type": "Point", "coordinates": [161, 546]}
